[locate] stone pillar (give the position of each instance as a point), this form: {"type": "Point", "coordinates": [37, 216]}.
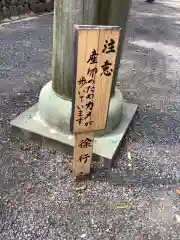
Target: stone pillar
{"type": "Point", "coordinates": [55, 97]}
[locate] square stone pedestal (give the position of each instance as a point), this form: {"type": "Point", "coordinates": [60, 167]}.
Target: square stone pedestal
{"type": "Point", "coordinates": [104, 146]}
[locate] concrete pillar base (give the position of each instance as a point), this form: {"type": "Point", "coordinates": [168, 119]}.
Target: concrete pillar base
{"type": "Point", "coordinates": [33, 127]}
{"type": "Point", "coordinates": [56, 111]}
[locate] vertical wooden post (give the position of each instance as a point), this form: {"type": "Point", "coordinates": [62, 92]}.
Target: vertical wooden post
{"type": "Point", "coordinates": [95, 54]}
{"type": "Point", "coordinates": [83, 12]}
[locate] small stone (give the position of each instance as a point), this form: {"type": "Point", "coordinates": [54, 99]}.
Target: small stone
{"type": "Point", "coordinates": [28, 186]}
{"type": "Point", "coordinates": [3, 3]}
{"type": "Point", "coordinates": [20, 10]}
{"type": "Point", "coordinates": [13, 11]}
{"type": "Point", "coordinates": [14, 3]}
{"type": "Point", "coordinates": [49, 6]}
{"type": "Point", "coordinates": [34, 7]}
{"type": "Point", "coordinates": [22, 2]}
{"type": "Point", "coordinates": [83, 235]}
{"type": "Point", "coordinates": [42, 7]}
{"type": "Point", "coordinates": [6, 12]}
{"type": "Point", "coordinates": [26, 9]}
{"type": "Point", "coordinates": [51, 221]}
{"type": "Point", "coordinates": [178, 218]}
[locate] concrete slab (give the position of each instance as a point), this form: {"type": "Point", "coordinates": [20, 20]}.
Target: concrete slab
{"type": "Point", "coordinates": [104, 146]}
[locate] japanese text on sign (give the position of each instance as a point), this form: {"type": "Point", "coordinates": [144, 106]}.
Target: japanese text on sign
{"type": "Point", "coordinates": [87, 84]}
{"type": "Point", "coordinates": [97, 50]}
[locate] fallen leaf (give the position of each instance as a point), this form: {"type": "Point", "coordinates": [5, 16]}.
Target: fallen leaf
{"type": "Point", "coordinates": [129, 156]}
{"type": "Point", "coordinates": [178, 191]}
{"type": "Point", "coordinates": [80, 188]}
{"type": "Point", "coordinates": [122, 206]}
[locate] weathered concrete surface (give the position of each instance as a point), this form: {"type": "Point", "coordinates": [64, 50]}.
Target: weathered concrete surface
{"type": "Point", "coordinates": [37, 200]}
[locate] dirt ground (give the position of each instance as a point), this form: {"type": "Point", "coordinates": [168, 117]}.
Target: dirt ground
{"type": "Point", "coordinates": [37, 197]}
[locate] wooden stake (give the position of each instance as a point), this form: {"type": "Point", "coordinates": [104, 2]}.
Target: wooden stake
{"type": "Point", "coordinates": [95, 55]}
{"type": "Point", "coordinates": [83, 150]}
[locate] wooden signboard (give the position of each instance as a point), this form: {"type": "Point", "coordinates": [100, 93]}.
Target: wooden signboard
{"type": "Point", "coordinates": [95, 55]}
{"type": "Point", "coordinates": [96, 49]}
{"type": "Point", "coordinates": [83, 150]}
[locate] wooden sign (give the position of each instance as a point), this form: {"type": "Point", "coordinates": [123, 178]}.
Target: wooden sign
{"type": "Point", "coordinates": [83, 150]}
{"type": "Point", "coordinates": [96, 50]}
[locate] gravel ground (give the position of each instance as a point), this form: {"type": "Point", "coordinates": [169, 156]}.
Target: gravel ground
{"type": "Point", "coordinates": [37, 199]}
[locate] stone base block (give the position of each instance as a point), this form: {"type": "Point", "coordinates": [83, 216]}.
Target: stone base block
{"type": "Point", "coordinates": [104, 146]}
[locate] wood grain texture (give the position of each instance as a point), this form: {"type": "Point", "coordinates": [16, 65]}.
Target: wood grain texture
{"type": "Point", "coordinates": [104, 83]}
{"type": "Point", "coordinates": [83, 150]}
{"type": "Point", "coordinates": [93, 84]}
{"type": "Point", "coordinates": [70, 12]}
{"type": "Point", "coordinates": [66, 14]}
